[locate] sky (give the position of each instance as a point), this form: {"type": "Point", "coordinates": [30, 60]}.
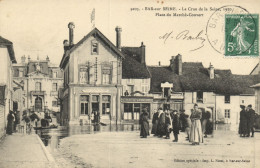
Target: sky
{"type": "Point", "coordinates": [38, 28]}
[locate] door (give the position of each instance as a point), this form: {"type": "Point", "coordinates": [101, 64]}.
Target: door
{"type": "Point", "coordinates": [38, 104]}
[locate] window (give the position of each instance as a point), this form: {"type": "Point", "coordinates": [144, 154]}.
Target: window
{"type": "Point", "coordinates": [227, 113]}
{"type": "Point", "coordinates": [94, 47]}
{"type": "Point", "coordinates": [137, 109]}
{"type": "Point", "coordinates": [106, 75]}
{"type": "Point", "coordinates": [105, 104]}
{"type": "Point", "coordinates": [38, 86]}
{"type": "Point", "coordinates": [54, 104]}
{"type": "Point", "coordinates": [243, 101]}
{"type": "Point", "coordinates": [83, 75]}
{"type": "Point", "coordinates": [55, 74]}
{"type": "Point", "coordinates": [84, 99]}
{"type": "Point", "coordinates": [167, 92]}
{"type": "Point", "coordinates": [55, 87]}
{"type": "Point", "coordinates": [227, 98]}
{"type": "Point", "coordinates": [145, 89]}
{"type": "Point", "coordinates": [199, 97]}
{"type": "Point", "coordinates": [20, 73]}
{"type": "Point", "coordinates": [128, 111]}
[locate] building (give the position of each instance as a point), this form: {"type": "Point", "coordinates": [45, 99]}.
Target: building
{"type": "Point", "coordinates": [36, 85]}
{"type": "Point", "coordinates": [182, 84]}
{"type": "Point", "coordinates": [6, 81]}
{"type": "Point", "coordinates": [136, 81]}
{"type": "Point", "coordinates": [92, 78]}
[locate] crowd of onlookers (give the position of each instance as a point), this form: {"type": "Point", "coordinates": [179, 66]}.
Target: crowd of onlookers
{"type": "Point", "coordinates": [196, 125]}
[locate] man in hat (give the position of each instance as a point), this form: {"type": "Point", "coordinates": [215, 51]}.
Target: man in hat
{"type": "Point", "coordinates": [175, 125]}
{"type": "Point", "coordinates": [243, 122]}
{"type": "Point", "coordinates": [250, 121]}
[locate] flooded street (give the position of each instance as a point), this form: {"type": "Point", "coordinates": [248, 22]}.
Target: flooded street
{"type": "Point", "coordinates": [121, 146]}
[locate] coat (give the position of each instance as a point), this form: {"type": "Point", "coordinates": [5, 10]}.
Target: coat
{"type": "Point", "coordinates": [144, 124]}
{"type": "Point", "coordinates": [175, 124]}
{"type": "Point", "coordinates": [10, 123]}
{"type": "Point", "coordinates": [196, 131]}
{"type": "Point", "coordinates": [161, 125]}
{"type": "Point", "coordinates": [155, 122]}
{"type": "Point", "coordinates": [243, 122]}
{"type": "Point", "coordinates": [251, 118]}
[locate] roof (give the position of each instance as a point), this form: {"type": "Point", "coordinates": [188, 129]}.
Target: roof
{"type": "Point", "coordinates": [132, 66]}
{"type": "Point", "coordinates": [196, 78]}
{"type": "Point", "coordinates": [255, 68]}
{"type": "Point", "coordinates": [10, 49]}
{"type": "Point", "coordinates": [94, 32]}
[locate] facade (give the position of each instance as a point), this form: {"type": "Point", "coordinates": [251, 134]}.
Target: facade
{"type": "Point", "coordinates": [136, 81]}
{"type": "Point", "coordinates": [92, 78]}
{"type": "Point", "coordinates": [215, 89]}
{"type": "Point", "coordinates": [6, 81]}
{"type": "Point", "coordinates": [36, 85]}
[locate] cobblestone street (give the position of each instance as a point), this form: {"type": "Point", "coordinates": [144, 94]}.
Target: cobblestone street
{"type": "Point", "coordinates": [127, 149]}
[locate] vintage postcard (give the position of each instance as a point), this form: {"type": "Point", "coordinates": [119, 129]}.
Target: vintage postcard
{"type": "Point", "coordinates": [134, 83]}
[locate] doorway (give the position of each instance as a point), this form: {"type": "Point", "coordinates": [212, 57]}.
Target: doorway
{"type": "Point", "coordinates": [38, 104]}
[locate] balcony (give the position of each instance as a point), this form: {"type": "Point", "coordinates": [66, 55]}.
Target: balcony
{"type": "Point", "coordinates": [38, 93]}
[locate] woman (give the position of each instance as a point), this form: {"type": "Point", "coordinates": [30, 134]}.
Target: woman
{"type": "Point", "coordinates": [10, 123]}
{"type": "Point", "coordinates": [243, 122]}
{"type": "Point", "coordinates": [155, 123]}
{"type": "Point", "coordinates": [161, 124]}
{"type": "Point", "coordinates": [196, 136]}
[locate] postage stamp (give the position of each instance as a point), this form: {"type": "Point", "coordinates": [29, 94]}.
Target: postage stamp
{"type": "Point", "coordinates": [241, 35]}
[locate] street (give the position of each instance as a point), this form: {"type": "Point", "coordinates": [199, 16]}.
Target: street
{"type": "Point", "coordinates": [127, 149]}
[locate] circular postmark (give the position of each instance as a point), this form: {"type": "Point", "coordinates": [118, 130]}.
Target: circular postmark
{"type": "Point", "coordinates": [232, 31]}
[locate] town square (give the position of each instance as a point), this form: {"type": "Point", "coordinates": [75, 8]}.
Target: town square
{"type": "Point", "coordinates": [129, 84]}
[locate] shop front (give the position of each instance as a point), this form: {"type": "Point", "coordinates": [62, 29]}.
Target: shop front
{"type": "Point", "coordinates": [133, 106]}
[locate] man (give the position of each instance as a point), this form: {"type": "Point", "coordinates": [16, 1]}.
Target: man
{"type": "Point", "coordinates": [243, 122]}
{"type": "Point", "coordinates": [251, 121]}
{"type": "Point", "coordinates": [175, 125]}
{"type": "Point", "coordinates": [205, 119]}
{"type": "Point", "coordinates": [155, 122]}
{"type": "Point", "coordinates": [196, 136]}
{"type": "Point", "coordinates": [182, 120]}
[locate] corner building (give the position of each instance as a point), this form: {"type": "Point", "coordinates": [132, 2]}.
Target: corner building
{"type": "Point", "coordinates": [92, 78]}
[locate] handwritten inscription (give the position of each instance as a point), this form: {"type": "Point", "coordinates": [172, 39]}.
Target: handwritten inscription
{"type": "Point", "coordinates": [185, 35]}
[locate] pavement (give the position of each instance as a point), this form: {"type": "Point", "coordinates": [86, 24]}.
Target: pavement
{"type": "Point", "coordinates": [24, 151]}
{"type": "Point", "coordinates": [127, 149]}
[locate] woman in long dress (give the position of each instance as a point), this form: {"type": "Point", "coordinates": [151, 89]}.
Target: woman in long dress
{"type": "Point", "coordinates": [196, 136]}
{"type": "Point", "coordinates": [155, 123]}
{"type": "Point", "coordinates": [10, 123]}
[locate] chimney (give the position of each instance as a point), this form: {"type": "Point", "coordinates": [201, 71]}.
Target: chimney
{"type": "Point", "coordinates": [71, 26]}
{"type": "Point", "coordinates": [47, 58]}
{"type": "Point", "coordinates": [29, 58]}
{"type": "Point", "coordinates": [179, 64]}
{"type": "Point", "coordinates": [142, 59]}
{"type": "Point", "coordinates": [118, 37]}
{"type": "Point", "coordinates": [23, 58]}
{"type": "Point", "coordinates": [172, 63]}
{"type": "Point", "coordinates": [159, 63]}
{"type": "Point", "coordinates": [66, 45]}
{"type": "Point", "coordinates": [211, 71]}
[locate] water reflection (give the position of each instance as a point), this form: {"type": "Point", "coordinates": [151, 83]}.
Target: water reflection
{"type": "Point", "coordinates": [51, 137]}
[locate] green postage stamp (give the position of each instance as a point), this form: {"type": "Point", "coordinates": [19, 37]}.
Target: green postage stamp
{"type": "Point", "coordinates": [241, 35]}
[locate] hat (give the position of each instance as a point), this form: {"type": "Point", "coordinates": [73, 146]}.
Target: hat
{"type": "Point", "coordinates": [195, 104]}
{"type": "Point", "coordinates": [242, 106]}
{"type": "Point", "coordinates": [250, 105]}
{"type": "Point", "coordinates": [160, 108]}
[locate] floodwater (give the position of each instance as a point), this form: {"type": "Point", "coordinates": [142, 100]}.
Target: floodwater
{"type": "Point", "coordinates": [51, 137]}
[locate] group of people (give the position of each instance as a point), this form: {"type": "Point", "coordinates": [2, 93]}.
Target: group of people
{"type": "Point", "coordinates": [165, 122]}
{"type": "Point", "coordinates": [12, 121]}
{"type": "Point", "coordinates": [247, 121]}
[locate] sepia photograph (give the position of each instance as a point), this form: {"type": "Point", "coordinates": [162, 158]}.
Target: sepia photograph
{"type": "Point", "coordinates": [129, 84]}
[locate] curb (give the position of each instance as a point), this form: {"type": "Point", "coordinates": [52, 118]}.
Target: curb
{"type": "Point", "coordinates": [46, 152]}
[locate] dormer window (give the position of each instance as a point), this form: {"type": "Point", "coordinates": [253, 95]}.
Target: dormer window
{"type": "Point", "coordinates": [94, 47]}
